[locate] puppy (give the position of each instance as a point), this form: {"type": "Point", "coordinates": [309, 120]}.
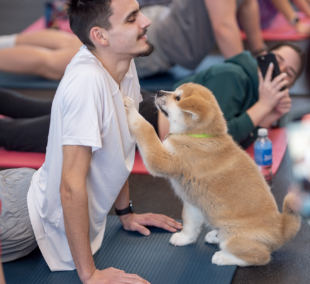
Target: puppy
{"type": "Point", "coordinates": [217, 181]}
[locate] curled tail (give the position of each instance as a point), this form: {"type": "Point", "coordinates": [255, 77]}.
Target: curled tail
{"type": "Point", "coordinates": [290, 217]}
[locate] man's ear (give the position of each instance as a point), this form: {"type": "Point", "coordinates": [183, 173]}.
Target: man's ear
{"type": "Point", "coordinates": [193, 106]}
{"type": "Point", "coordinates": [99, 35]}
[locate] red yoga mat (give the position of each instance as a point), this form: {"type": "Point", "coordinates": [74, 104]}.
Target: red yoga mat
{"type": "Point", "coordinates": [279, 29]}
{"type": "Point", "coordinates": [12, 159]}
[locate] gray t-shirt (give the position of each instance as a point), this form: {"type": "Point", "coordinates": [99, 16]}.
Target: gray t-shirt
{"type": "Point", "coordinates": [181, 33]}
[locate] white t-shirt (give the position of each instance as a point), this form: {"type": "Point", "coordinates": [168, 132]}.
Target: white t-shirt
{"type": "Point", "coordinates": [87, 110]}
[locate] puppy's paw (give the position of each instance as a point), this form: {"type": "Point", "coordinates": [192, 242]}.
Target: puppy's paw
{"type": "Point", "coordinates": [224, 258]}
{"type": "Point", "coordinates": [129, 104]}
{"type": "Point", "coordinates": [212, 238]}
{"type": "Point", "coordinates": [133, 115]}
{"type": "Point", "coordinates": [180, 239]}
{"type": "Point", "coordinates": [219, 258]}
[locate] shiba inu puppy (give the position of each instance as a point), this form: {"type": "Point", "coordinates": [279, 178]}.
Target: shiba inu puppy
{"type": "Point", "coordinates": [219, 184]}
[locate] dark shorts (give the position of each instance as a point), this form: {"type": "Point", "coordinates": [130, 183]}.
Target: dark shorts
{"type": "Point", "coordinates": [148, 109]}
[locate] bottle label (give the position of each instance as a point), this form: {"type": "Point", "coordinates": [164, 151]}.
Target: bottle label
{"type": "Point", "coordinates": [263, 157]}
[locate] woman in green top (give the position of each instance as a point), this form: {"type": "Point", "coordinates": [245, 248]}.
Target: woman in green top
{"type": "Point", "coordinates": [246, 99]}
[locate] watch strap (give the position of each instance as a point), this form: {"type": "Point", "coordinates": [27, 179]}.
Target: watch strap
{"type": "Point", "coordinates": [294, 20]}
{"type": "Point", "coordinates": [125, 211]}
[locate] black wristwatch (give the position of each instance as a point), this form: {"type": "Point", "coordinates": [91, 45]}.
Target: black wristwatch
{"type": "Point", "coordinates": [125, 211]}
{"type": "Point", "coordinates": [294, 20]}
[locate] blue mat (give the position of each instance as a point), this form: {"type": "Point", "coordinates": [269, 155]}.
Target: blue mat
{"type": "Point", "coordinates": [17, 81]}
{"type": "Point", "coordinates": [152, 257]}
{"type": "Point", "coordinates": [154, 83]}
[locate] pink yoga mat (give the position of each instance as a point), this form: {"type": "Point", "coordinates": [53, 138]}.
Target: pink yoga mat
{"type": "Point", "coordinates": [280, 29]}
{"type": "Point", "coordinates": [40, 25]}
{"type": "Point", "coordinates": [12, 159]}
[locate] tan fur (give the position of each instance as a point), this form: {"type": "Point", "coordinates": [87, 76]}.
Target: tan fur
{"type": "Point", "coordinates": [217, 181]}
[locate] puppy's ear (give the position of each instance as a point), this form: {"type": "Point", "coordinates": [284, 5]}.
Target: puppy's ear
{"type": "Point", "coordinates": [193, 105]}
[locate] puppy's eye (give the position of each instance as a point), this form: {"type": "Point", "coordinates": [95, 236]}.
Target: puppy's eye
{"type": "Point", "coordinates": [177, 98]}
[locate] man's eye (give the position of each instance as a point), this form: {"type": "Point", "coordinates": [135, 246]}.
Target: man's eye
{"type": "Point", "coordinates": [131, 20]}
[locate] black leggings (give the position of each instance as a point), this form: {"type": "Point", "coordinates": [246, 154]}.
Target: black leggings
{"type": "Point", "coordinates": [28, 125]}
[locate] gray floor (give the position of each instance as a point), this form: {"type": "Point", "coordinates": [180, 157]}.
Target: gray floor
{"type": "Point", "coordinates": [290, 264]}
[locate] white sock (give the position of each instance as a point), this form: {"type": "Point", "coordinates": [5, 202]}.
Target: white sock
{"type": "Point", "coordinates": [7, 41]}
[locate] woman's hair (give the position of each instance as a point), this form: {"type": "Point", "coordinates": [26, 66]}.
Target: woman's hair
{"type": "Point", "coordinates": [86, 14]}
{"type": "Point", "coordinates": [297, 48]}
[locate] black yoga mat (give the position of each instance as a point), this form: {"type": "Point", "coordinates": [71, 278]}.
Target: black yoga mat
{"type": "Point", "coordinates": [17, 81]}
{"type": "Point", "coordinates": [152, 257]}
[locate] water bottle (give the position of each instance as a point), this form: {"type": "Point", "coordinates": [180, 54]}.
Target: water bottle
{"type": "Point", "coordinates": [263, 154]}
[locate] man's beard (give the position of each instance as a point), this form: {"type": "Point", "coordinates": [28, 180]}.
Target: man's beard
{"type": "Point", "coordinates": [146, 52]}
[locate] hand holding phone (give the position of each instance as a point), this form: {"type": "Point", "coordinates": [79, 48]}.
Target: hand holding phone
{"type": "Point", "coordinates": [264, 62]}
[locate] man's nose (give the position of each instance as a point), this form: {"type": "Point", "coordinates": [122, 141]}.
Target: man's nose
{"type": "Point", "coordinates": [145, 22]}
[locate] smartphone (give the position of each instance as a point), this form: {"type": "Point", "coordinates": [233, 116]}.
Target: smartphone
{"type": "Point", "coordinates": [263, 64]}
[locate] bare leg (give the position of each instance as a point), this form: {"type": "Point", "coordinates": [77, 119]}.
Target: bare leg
{"type": "Point", "coordinates": [52, 39]}
{"type": "Point", "coordinates": [34, 60]}
{"type": "Point", "coordinates": [192, 222]}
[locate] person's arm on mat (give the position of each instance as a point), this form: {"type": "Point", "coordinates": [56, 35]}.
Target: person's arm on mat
{"type": "Point", "coordinates": [303, 5]}
{"type": "Point", "coordinates": [224, 23]}
{"type": "Point", "coordinates": [248, 15]}
{"type": "Point", "coordinates": [285, 8]}
{"type": "Point", "coordinates": [136, 222]}
{"type": "Point", "coordinates": [74, 200]}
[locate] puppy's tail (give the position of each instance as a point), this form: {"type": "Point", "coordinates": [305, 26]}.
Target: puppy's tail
{"type": "Point", "coordinates": [290, 217]}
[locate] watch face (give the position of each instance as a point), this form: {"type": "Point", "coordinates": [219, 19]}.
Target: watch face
{"type": "Point", "coordinates": [294, 21]}
{"type": "Point", "coordinates": [131, 206]}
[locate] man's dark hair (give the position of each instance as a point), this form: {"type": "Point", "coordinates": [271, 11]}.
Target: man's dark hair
{"type": "Point", "coordinates": [297, 48]}
{"type": "Point", "coordinates": [86, 14]}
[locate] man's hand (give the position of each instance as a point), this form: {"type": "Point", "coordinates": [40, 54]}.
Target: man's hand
{"type": "Point", "coordinates": [114, 276]}
{"type": "Point", "coordinates": [269, 91]}
{"type": "Point", "coordinates": [136, 222]}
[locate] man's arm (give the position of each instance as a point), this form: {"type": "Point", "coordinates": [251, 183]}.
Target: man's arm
{"type": "Point", "coordinates": [74, 200]}
{"type": "Point", "coordinates": [248, 16]}
{"type": "Point", "coordinates": [224, 23]}
{"type": "Point", "coordinates": [137, 222]}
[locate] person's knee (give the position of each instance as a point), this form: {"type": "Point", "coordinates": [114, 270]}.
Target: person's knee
{"type": "Point", "coordinates": [71, 41]}
{"type": "Point", "coordinates": [50, 67]}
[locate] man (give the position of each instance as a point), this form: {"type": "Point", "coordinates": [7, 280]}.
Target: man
{"type": "Point", "coordinates": [90, 151]}
{"type": "Point", "coordinates": [183, 34]}
{"type": "Point", "coordinates": [188, 30]}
